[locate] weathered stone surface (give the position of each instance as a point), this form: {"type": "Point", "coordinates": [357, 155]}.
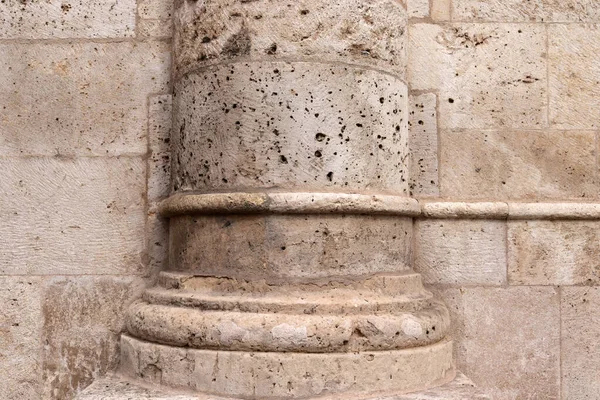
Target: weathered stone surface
{"type": "Point", "coordinates": [478, 87]}
{"type": "Point", "coordinates": [83, 319]}
{"type": "Point", "coordinates": [423, 144]}
{"type": "Point", "coordinates": [554, 253]}
{"type": "Point", "coordinates": [366, 32]}
{"type": "Point", "coordinates": [579, 347]}
{"type": "Point", "coordinates": [94, 97]}
{"type": "Point", "coordinates": [574, 54]}
{"type": "Point", "coordinates": [60, 19]}
{"type": "Point", "coordinates": [463, 252]}
{"type": "Point", "coordinates": [465, 210]}
{"type": "Point", "coordinates": [267, 125]}
{"type": "Point", "coordinates": [287, 375]}
{"type": "Point", "coordinates": [20, 330]}
{"type": "Point", "coordinates": [285, 247]}
{"type": "Point", "coordinates": [441, 10]}
{"type": "Point", "coordinates": [525, 11]}
{"type": "Point", "coordinates": [120, 388]}
{"type": "Point", "coordinates": [71, 216]}
{"type": "Point", "coordinates": [518, 164]}
{"type": "Point", "coordinates": [157, 239]}
{"type": "Point", "coordinates": [511, 341]}
{"type": "Point", "coordinates": [155, 18]}
{"type": "Point", "coordinates": [418, 8]}
{"type": "Point", "coordinates": [159, 160]}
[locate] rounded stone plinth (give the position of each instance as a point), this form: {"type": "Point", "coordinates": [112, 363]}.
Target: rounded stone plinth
{"type": "Point", "coordinates": [271, 375]}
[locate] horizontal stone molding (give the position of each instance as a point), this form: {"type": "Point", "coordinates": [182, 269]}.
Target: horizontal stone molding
{"type": "Point", "coordinates": [379, 204]}
{"type": "Point", "coordinates": [511, 210]}
{"type": "Point", "coordinates": [288, 203]}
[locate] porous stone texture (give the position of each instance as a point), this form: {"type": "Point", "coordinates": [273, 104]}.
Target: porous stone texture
{"type": "Point", "coordinates": [82, 321]}
{"type": "Point", "coordinates": [93, 100]}
{"type": "Point", "coordinates": [418, 8]}
{"type": "Point", "coordinates": [574, 54]}
{"type": "Point", "coordinates": [289, 375]}
{"type": "Point", "coordinates": [159, 142]}
{"type": "Point", "coordinates": [526, 11]}
{"type": "Point", "coordinates": [277, 248]}
{"type": "Point", "coordinates": [554, 253]}
{"type": "Point", "coordinates": [579, 348]}
{"type": "Point", "coordinates": [461, 252]}
{"type": "Point", "coordinates": [155, 18]}
{"type": "Point", "coordinates": [66, 19]}
{"type": "Point", "coordinates": [264, 124]}
{"type": "Point", "coordinates": [423, 145]}
{"type": "Point", "coordinates": [367, 32]}
{"type": "Point", "coordinates": [72, 216]}
{"type": "Point", "coordinates": [466, 64]}
{"type": "Point", "coordinates": [510, 341]}
{"type": "Point", "coordinates": [20, 328]}
{"type": "Point", "coordinates": [518, 164]}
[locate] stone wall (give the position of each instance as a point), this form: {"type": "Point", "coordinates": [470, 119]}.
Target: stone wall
{"type": "Point", "coordinates": [504, 97]}
{"type": "Point", "coordinates": [83, 124]}
{"type": "Point", "coordinates": [505, 100]}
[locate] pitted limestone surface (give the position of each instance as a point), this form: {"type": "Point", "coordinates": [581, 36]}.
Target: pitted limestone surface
{"type": "Point", "coordinates": [283, 125]}
{"type": "Point", "coordinates": [280, 248]}
{"type": "Point", "coordinates": [368, 32]}
{"type": "Point", "coordinates": [377, 313]}
{"type": "Point", "coordinates": [270, 375]}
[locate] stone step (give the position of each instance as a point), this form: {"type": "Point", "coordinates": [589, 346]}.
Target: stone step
{"type": "Point", "coordinates": [119, 387]}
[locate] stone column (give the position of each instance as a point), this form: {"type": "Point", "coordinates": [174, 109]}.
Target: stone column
{"type": "Point", "coordinates": [290, 220]}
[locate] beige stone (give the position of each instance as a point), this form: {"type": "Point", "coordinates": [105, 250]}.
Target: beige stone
{"type": "Point", "coordinates": [441, 10]}
{"type": "Point", "coordinates": [478, 86]}
{"type": "Point", "coordinates": [463, 252]}
{"type": "Point", "coordinates": [289, 247]}
{"type": "Point", "coordinates": [512, 340]}
{"type": "Point", "coordinates": [518, 165]}
{"type": "Point", "coordinates": [371, 33]}
{"type": "Point", "coordinates": [155, 18]}
{"type": "Point", "coordinates": [71, 216]}
{"type": "Point", "coordinates": [554, 253]}
{"type": "Point", "coordinates": [348, 133]}
{"type": "Point", "coordinates": [157, 242]}
{"type": "Point", "coordinates": [574, 54]}
{"type": "Point", "coordinates": [526, 11]}
{"type": "Point", "coordinates": [78, 98]}
{"type": "Point", "coordinates": [579, 347]}
{"type": "Point", "coordinates": [60, 19]}
{"type": "Point", "coordinates": [20, 330]}
{"type": "Point", "coordinates": [159, 138]}
{"type": "Point", "coordinates": [83, 319]}
{"type": "Point", "coordinates": [418, 8]}
{"type": "Point", "coordinates": [554, 211]}
{"type": "Point", "coordinates": [423, 144]}
{"type": "Point", "coordinates": [465, 210]}
{"type": "Point", "coordinates": [288, 375]}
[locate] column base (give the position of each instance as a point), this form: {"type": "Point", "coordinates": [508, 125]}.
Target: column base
{"type": "Point", "coordinates": [119, 387]}
{"type": "Point", "coordinates": [276, 375]}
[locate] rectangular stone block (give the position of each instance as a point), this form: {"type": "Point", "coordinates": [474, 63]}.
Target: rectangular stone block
{"type": "Point", "coordinates": [574, 55]}
{"type": "Point", "coordinates": [461, 252]}
{"type": "Point", "coordinates": [423, 142]}
{"type": "Point", "coordinates": [487, 75]}
{"type": "Point", "coordinates": [580, 346]}
{"type": "Point", "coordinates": [510, 341]}
{"type": "Point", "coordinates": [526, 11]}
{"type": "Point", "coordinates": [554, 253]}
{"type": "Point", "coordinates": [441, 10]}
{"type": "Point", "coordinates": [155, 18]}
{"type": "Point", "coordinates": [518, 165]}
{"type": "Point", "coordinates": [79, 98]}
{"type": "Point", "coordinates": [159, 162]}
{"type": "Point", "coordinates": [83, 319]}
{"type": "Point", "coordinates": [72, 216]}
{"type": "Point", "coordinates": [21, 19]}
{"type": "Point", "coordinates": [20, 331]}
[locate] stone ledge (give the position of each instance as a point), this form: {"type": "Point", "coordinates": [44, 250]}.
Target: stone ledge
{"type": "Point", "coordinates": [116, 387]}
